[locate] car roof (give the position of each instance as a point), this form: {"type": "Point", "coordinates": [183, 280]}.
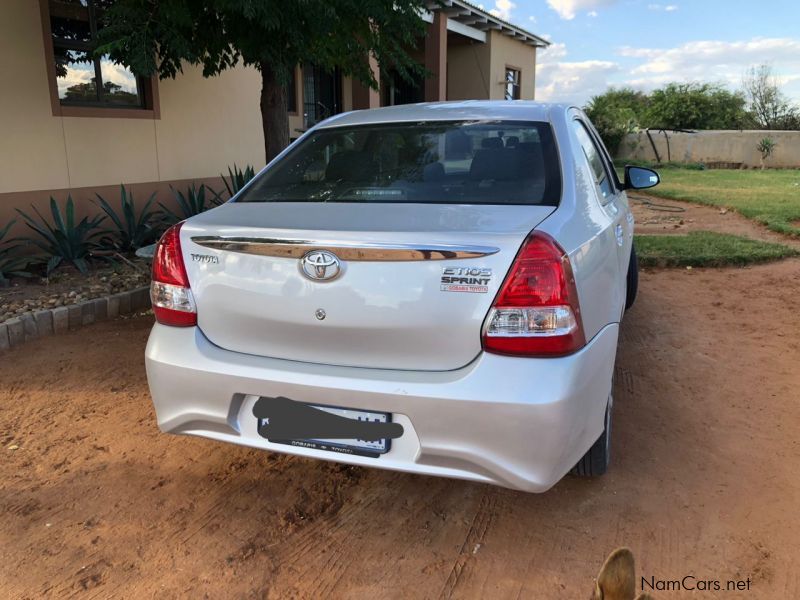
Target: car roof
{"type": "Point", "coordinates": [467, 110]}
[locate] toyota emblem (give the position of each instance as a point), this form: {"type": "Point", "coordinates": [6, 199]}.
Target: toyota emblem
{"type": "Point", "coordinates": [320, 265]}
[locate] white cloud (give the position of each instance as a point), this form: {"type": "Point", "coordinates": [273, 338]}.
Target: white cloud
{"type": "Point", "coordinates": [560, 80]}
{"type": "Point", "coordinates": [574, 82]}
{"type": "Point", "coordinates": [567, 9]}
{"type": "Point", "coordinates": [714, 61]}
{"type": "Point", "coordinates": [75, 75]}
{"type": "Point", "coordinates": [502, 9]}
{"type": "Point", "coordinates": [592, 13]}
{"type": "Point", "coordinates": [119, 75]}
{"type": "Point", "coordinates": [552, 52]}
{"type": "Point", "coordinates": [83, 72]}
{"type": "Point", "coordinates": [664, 7]}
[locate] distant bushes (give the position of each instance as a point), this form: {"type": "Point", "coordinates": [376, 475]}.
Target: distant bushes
{"type": "Point", "coordinates": [676, 106]}
{"type": "Point", "coordinates": [617, 113]}
{"type": "Point", "coordinates": [761, 104]}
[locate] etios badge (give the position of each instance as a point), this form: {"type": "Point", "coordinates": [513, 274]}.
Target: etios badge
{"type": "Point", "coordinates": [320, 265]}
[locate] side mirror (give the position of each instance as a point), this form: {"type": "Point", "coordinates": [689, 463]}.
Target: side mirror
{"type": "Point", "coordinates": [639, 178]}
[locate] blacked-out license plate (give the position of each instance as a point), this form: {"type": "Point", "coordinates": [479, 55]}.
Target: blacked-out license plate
{"type": "Point", "coordinates": [371, 448]}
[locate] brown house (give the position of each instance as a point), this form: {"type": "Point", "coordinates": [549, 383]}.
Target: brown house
{"type": "Point", "coordinates": [74, 124]}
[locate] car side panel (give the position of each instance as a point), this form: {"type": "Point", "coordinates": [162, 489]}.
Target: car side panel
{"type": "Point", "coordinates": [586, 231]}
{"type": "Point", "coordinates": [618, 210]}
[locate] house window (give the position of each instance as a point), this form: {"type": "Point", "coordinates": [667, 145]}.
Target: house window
{"type": "Point", "coordinates": [512, 84]}
{"type": "Point", "coordinates": [81, 78]}
{"type": "Point", "coordinates": [398, 90]}
{"type": "Point", "coordinates": [321, 94]}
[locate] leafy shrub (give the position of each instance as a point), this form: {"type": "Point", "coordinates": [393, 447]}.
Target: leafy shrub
{"type": "Point", "coordinates": [64, 240]}
{"type": "Point", "coordinates": [695, 106]}
{"type": "Point", "coordinates": [129, 232]}
{"type": "Point", "coordinates": [192, 203]}
{"type": "Point", "coordinates": [616, 113]}
{"type": "Point", "coordinates": [766, 147]}
{"type": "Point", "coordinates": [10, 262]}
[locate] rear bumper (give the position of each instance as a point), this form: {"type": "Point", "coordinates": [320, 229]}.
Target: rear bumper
{"type": "Point", "coordinates": [515, 422]}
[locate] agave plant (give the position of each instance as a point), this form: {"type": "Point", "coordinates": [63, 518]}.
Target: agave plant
{"type": "Point", "coordinates": [64, 240]}
{"type": "Point", "coordinates": [192, 203]}
{"type": "Point", "coordinates": [129, 232]}
{"type": "Point", "coordinates": [237, 179]}
{"type": "Point", "coordinates": [10, 262]}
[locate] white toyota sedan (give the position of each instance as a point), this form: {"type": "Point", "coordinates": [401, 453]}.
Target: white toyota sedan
{"type": "Point", "coordinates": [431, 288]}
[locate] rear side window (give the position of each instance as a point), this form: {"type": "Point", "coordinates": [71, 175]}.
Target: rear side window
{"type": "Point", "coordinates": [592, 153]}
{"type": "Point", "coordinates": [458, 162]}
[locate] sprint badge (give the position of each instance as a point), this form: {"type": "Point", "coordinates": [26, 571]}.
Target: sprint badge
{"type": "Point", "coordinates": [466, 279]}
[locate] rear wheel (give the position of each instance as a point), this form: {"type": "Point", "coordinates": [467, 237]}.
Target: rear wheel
{"type": "Point", "coordinates": [632, 280]}
{"type": "Point", "coordinates": [596, 460]}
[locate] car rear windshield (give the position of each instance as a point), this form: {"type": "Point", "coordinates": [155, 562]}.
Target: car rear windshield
{"type": "Point", "coordinates": [456, 162]}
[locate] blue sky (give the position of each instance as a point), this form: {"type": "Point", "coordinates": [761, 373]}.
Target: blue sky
{"type": "Point", "coordinates": [646, 43]}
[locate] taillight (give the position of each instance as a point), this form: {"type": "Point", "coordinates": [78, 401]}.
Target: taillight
{"type": "Point", "coordinates": [536, 312]}
{"type": "Point", "coordinates": [170, 293]}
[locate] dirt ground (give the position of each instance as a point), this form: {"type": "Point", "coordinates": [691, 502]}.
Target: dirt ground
{"type": "Point", "coordinates": [705, 480]}
{"type": "Point", "coordinates": [664, 216]}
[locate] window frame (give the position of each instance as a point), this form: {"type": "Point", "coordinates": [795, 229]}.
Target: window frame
{"type": "Point", "coordinates": [610, 176]}
{"type": "Point", "coordinates": [149, 87]}
{"type": "Point", "coordinates": [552, 194]}
{"type": "Point", "coordinates": [593, 133]}
{"type": "Point", "coordinates": [516, 84]}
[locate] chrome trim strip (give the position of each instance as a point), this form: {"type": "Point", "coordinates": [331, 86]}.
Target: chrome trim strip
{"type": "Point", "coordinates": [287, 248]}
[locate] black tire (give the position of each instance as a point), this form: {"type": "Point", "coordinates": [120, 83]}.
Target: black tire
{"type": "Point", "coordinates": [632, 280]}
{"type": "Point", "coordinates": [596, 460]}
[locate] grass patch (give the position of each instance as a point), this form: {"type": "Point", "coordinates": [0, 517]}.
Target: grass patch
{"type": "Point", "coordinates": [706, 249]}
{"type": "Point", "coordinates": [771, 197]}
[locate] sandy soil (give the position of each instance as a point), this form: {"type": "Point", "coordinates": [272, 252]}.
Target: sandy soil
{"type": "Point", "coordinates": [663, 216]}
{"type": "Point", "coordinates": [96, 503]}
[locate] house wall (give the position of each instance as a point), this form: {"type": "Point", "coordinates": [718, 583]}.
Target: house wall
{"type": "Point", "coordinates": [201, 127]}
{"type": "Point", "coordinates": [468, 69]}
{"type": "Point", "coordinates": [204, 126]}
{"type": "Point", "coordinates": [507, 51]}
{"type": "Point", "coordinates": [726, 148]}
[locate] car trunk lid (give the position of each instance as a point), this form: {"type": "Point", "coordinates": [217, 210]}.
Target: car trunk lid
{"type": "Point", "coordinates": [415, 280]}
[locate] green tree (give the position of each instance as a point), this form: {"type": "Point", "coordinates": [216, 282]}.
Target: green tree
{"type": "Point", "coordinates": [616, 113]}
{"type": "Point", "coordinates": [769, 106]}
{"type": "Point", "coordinates": [695, 106]}
{"type": "Point", "coordinates": [271, 35]}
